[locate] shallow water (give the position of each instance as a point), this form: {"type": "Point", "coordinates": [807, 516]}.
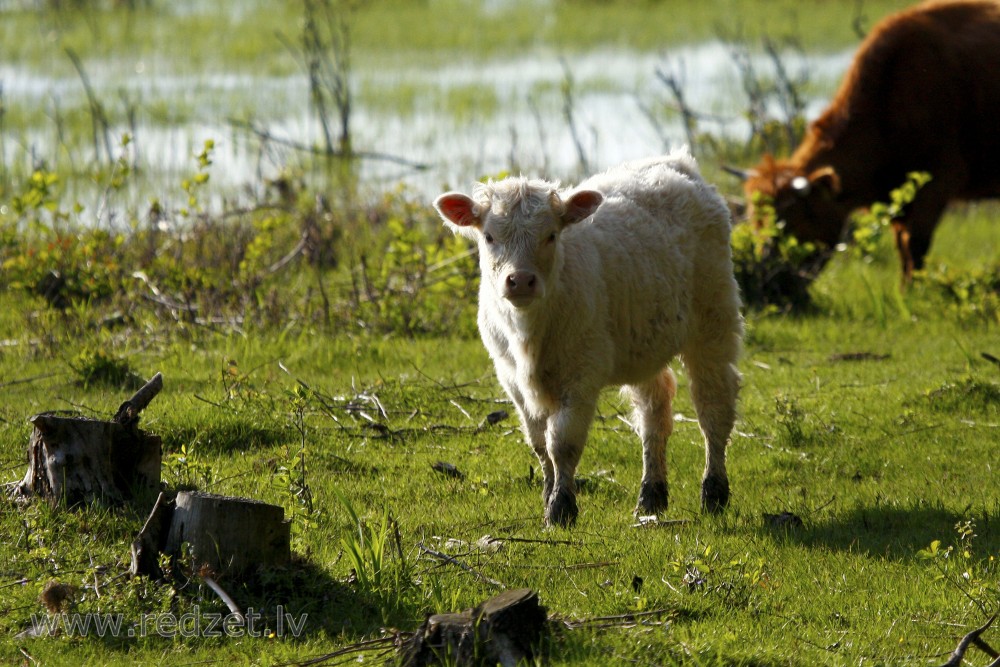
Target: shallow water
{"type": "Point", "coordinates": [521, 126]}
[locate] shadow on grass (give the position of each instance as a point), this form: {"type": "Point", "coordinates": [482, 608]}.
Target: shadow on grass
{"type": "Point", "coordinates": [327, 605]}
{"type": "Point", "coordinates": [895, 532]}
{"type": "Point", "coordinates": [300, 603]}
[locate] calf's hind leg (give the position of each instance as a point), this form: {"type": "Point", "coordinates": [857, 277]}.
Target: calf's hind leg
{"type": "Point", "coordinates": [654, 422]}
{"type": "Point", "coordinates": [715, 383]}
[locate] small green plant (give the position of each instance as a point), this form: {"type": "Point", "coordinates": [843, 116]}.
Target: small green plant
{"type": "Point", "coordinates": [193, 185]}
{"type": "Point", "coordinates": [369, 551]}
{"type": "Point", "coordinates": [38, 196]}
{"type": "Point", "coordinates": [186, 469]}
{"type": "Point", "coordinates": [870, 224]}
{"type": "Point", "coordinates": [965, 396]}
{"type": "Point", "coordinates": [413, 289]}
{"type": "Point", "coordinates": [960, 566]}
{"type": "Point", "coordinates": [973, 294]}
{"type": "Point", "coordinates": [791, 417]}
{"type": "Point", "coordinates": [101, 367]}
{"type": "Point", "coordinates": [772, 267]}
{"type": "Point", "coordinates": [292, 476]}
{"type": "Point", "coordinates": [734, 583]}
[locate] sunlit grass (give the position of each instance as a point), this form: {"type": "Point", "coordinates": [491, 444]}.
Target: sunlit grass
{"type": "Point", "coordinates": [870, 418]}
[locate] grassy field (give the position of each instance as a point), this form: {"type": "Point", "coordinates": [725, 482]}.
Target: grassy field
{"type": "Point", "coordinates": [332, 385]}
{"type": "Point", "coordinates": [873, 419]}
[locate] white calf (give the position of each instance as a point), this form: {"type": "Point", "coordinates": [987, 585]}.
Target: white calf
{"type": "Point", "coordinates": [603, 285]}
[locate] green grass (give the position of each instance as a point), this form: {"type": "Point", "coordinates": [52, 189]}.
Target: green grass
{"type": "Point", "coordinates": [873, 419]}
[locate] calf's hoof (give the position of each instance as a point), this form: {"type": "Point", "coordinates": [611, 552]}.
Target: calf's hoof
{"type": "Point", "coordinates": [652, 498]}
{"type": "Point", "coordinates": [714, 494]}
{"type": "Point", "coordinates": [561, 509]}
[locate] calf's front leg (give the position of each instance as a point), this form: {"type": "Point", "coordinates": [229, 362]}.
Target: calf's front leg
{"type": "Point", "coordinates": [534, 431]}
{"type": "Point", "coordinates": [565, 438]}
{"type": "Point", "coordinates": [533, 427]}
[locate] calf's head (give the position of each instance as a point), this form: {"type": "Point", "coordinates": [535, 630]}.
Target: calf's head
{"type": "Point", "coordinates": [517, 223]}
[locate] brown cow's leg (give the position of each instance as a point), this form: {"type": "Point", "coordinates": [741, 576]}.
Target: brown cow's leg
{"type": "Point", "coordinates": [919, 245]}
{"type": "Point", "coordinates": [902, 234]}
{"type": "Point", "coordinates": [915, 230]}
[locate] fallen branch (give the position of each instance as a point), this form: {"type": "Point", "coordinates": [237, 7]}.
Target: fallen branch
{"type": "Point", "coordinates": [616, 620]}
{"type": "Point", "coordinates": [973, 638]}
{"type": "Point", "coordinates": [386, 644]}
{"type": "Point", "coordinates": [130, 409]}
{"type": "Point", "coordinates": [224, 596]}
{"type": "Point", "coordinates": [454, 561]}
{"type": "Point", "coordinates": [11, 383]}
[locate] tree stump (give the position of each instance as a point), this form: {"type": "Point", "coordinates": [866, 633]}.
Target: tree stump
{"type": "Point", "coordinates": [504, 630]}
{"type": "Point", "coordinates": [228, 535]}
{"type": "Point", "coordinates": [152, 539]}
{"type": "Point", "coordinates": [74, 459]}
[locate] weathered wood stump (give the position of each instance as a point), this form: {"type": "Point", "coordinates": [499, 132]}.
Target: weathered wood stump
{"type": "Point", "coordinates": [74, 459]}
{"type": "Point", "coordinates": [152, 539]}
{"type": "Point", "coordinates": [504, 630]}
{"type": "Point", "coordinates": [230, 536]}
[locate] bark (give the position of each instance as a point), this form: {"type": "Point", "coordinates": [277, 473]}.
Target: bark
{"type": "Point", "coordinates": [504, 630]}
{"type": "Point", "coordinates": [75, 460]}
{"type": "Point", "coordinates": [228, 535]}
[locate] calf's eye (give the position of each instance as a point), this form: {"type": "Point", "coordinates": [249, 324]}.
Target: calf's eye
{"type": "Point", "coordinates": [552, 238]}
{"type": "Point", "coordinates": [489, 238]}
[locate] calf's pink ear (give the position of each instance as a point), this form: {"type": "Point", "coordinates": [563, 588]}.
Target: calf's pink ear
{"type": "Point", "coordinates": [458, 209]}
{"type": "Point", "coordinates": [581, 205]}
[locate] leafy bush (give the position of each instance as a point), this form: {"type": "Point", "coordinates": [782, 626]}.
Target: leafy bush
{"type": "Point", "coordinates": [772, 268]}
{"type": "Point", "coordinates": [272, 263]}
{"type": "Point", "coordinates": [101, 367]}
{"type": "Point", "coordinates": [870, 224]}
{"type": "Point", "coordinates": [775, 269]}
{"type": "Point", "coordinates": [973, 294]}
{"type": "Point", "coordinates": [422, 280]}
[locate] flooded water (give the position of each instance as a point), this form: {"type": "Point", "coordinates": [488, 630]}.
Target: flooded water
{"type": "Point", "coordinates": [519, 126]}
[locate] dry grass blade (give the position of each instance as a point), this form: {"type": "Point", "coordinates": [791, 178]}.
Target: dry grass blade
{"type": "Point", "coordinates": [617, 620]}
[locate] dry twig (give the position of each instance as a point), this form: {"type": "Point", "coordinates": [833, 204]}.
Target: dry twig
{"type": "Point", "coordinates": [973, 638]}
{"type": "Point", "coordinates": [454, 561]}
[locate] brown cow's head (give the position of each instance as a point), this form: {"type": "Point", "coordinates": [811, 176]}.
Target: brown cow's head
{"type": "Point", "coordinates": [805, 201]}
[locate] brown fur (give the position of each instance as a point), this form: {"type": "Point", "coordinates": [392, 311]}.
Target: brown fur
{"type": "Point", "coordinates": [922, 94]}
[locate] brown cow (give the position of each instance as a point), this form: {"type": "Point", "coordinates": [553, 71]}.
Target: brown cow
{"type": "Point", "coordinates": [923, 94]}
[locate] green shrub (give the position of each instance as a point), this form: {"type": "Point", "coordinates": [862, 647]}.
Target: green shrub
{"type": "Point", "coordinates": [772, 268]}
